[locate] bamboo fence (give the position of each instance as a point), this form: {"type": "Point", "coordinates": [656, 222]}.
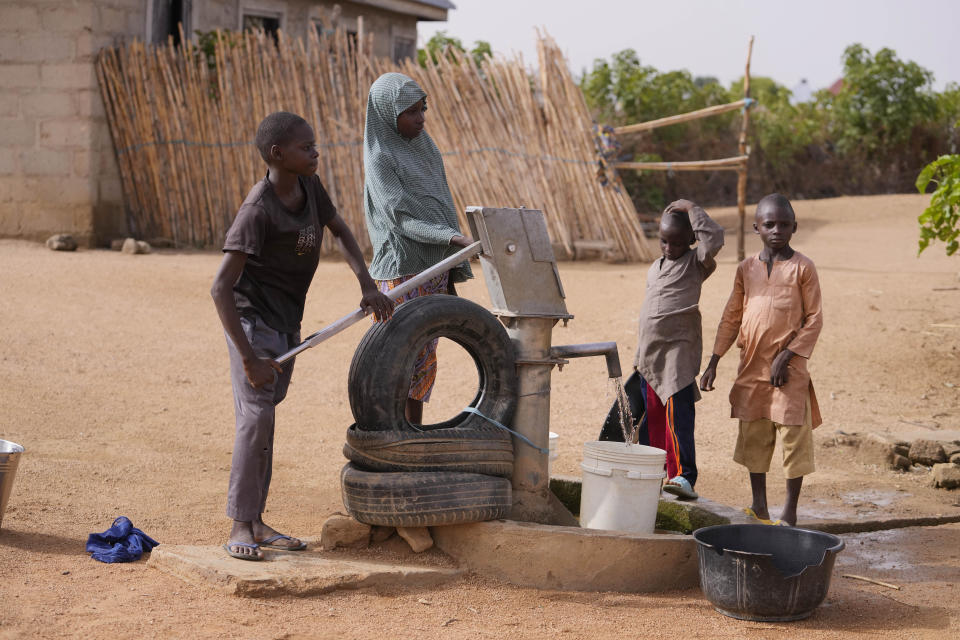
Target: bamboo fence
{"type": "Point", "coordinates": [183, 124]}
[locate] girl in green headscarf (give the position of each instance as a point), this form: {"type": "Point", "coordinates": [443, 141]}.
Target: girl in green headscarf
{"type": "Point", "coordinates": [410, 214]}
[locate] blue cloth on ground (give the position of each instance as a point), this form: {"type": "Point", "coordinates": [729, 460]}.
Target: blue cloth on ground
{"type": "Point", "coordinates": [122, 542]}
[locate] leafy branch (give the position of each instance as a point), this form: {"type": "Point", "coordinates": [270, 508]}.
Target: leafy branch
{"type": "Point", "coordinates": [941, 220]}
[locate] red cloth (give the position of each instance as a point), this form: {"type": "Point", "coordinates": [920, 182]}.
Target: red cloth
{"type": "Point", "coordinates": [661, 432]}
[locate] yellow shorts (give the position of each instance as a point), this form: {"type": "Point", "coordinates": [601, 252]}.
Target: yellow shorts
{"type": "Point", "coordinates": [757, 438]}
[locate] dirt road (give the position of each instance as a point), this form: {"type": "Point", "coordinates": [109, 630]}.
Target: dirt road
{"type": "Point", "coordinates": [114, 377]}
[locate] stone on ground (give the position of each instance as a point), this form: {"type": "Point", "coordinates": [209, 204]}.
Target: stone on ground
{"type": "Point", "coordinates": [133, 246]}
{"type": "Point", "coordinates": [946, 475]}
{"type": "Point", "coordinates": [418, 538]}
{"type": "Point", "coordinates": [344, 532]}
{"type": "Point", "coordinates": [927, 452]}
{"type": "Point", "coordinates": [378, 534]}
{"type": "Point", "coordinates": [877, 449]}
{"type": "Point", "coordinates": [901, 462]}
{"type": "Point", "coordinates": [61, 242]}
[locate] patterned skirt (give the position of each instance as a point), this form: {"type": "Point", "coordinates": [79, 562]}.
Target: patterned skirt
{"type": "Point", "coordinates": [425, 370]}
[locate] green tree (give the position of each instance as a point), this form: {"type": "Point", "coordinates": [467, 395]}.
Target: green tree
{"type": "Point", "coordinates": [941, 220]}
{"type": "Point", "coordinates": [780, 130]}
{"type": "Point", "coordinates": [948, 107]}
{"type": "Point", "coordinates": [624, 91]}
{"type": "Point", "coordinates": [440, 43]}
{"type": "Point", "coordinates": [882, 100]}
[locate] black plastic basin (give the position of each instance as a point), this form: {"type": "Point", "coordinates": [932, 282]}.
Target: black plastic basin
{"type": "Point", "coordinates": [762, 572]}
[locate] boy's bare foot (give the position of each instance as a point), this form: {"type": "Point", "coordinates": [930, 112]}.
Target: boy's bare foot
{"type": "Point", "coordinates": [242, 533]}
{"type": "Point", "coordinates": [789, 517]}
{"type": "Point", "coordinates": [262, 533]}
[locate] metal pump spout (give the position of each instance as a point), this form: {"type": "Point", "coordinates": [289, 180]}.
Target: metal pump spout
{"type": "Point", "coordinates": [606, 349]}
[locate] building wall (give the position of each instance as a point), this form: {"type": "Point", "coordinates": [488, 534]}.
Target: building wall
{"type": "Point", "coordinates": [58, 170]}
{"type": "Point", "coordinates": [57, 167]}
{"type": "Point", "coordinates": [298, 16]}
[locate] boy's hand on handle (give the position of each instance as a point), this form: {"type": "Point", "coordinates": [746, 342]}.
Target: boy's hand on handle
{"type": "Point", "coordinates": [709, 374]}
{"type": "Point", "coordinates": [778, 371]}
{"type": "Point", "coordinates": [261, 371]}
{"type": "Point", "coordinates": [377, 303]}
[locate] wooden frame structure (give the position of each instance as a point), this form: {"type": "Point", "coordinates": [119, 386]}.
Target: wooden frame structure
{"type": "Point", "coordinates": [736, 163]}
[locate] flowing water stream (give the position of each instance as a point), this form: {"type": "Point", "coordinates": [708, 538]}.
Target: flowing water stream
{"type": "Point", "coordinates": [627, 424]}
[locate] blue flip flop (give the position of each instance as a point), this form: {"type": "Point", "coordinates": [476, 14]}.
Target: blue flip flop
{"type": "Point", "coordinates": [268, 543]}
{"type": "Point", "coordinates": [680, 487]}
{"type": "Point", "coordinates": [243, 556]}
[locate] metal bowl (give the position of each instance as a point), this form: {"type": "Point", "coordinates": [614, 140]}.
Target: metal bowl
{"type": "Point", "coordinates": [9, 458]}
{"type": "Point", "coordinates": [762, 572]}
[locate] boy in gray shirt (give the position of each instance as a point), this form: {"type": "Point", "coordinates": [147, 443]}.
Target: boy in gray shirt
{"type": "Point", "coordinates": [663, 390]}
{"type": "Point", "coordinates": [270, 255]}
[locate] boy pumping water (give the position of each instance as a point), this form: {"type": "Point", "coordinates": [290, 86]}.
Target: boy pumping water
{"type": "Point", "coordinates": [662, 390]}
{"type": "Point", "coordinates": [270, 255]}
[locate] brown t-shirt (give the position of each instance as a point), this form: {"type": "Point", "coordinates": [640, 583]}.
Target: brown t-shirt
{"type": "Point", "coordinates": [283, 248]}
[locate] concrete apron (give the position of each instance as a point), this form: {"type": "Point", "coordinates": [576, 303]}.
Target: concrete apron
{"type": "Point", "coordinates": [521, 553]}
{"type": "Point", "coordinates": [570, 558]}
{"type": "Point", "coordinates": [290, 573]}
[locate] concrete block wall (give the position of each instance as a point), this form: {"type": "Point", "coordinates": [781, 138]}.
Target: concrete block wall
{"type": "Point", "coordinates": [58, 172]}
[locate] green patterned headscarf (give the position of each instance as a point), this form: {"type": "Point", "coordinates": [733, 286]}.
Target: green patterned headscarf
{"type": "Point", "coordinates": [409, 210]}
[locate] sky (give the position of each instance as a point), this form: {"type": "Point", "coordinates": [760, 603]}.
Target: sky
{"type": "Point", "coordinates": [794, 40]}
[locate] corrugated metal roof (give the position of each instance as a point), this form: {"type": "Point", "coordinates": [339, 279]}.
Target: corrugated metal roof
{"type": "Point", "coordinates": [442, 4]}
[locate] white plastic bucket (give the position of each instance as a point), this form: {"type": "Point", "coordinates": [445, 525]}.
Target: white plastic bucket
{"type": "Point", "coordinates": [621, 486]}
{"type": "Point", "coordinates": [554, 454]}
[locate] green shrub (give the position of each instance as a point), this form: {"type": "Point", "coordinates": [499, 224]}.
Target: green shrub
{"type": "Point", "coordinates": [941, 220]}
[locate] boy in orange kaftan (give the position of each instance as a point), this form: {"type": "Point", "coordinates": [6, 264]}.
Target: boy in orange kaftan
{"type": "Point", "coordinates": [774, 316]}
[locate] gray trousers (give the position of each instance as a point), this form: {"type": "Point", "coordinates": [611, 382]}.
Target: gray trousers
{"type": "Point", "coordinates": [252, 462]}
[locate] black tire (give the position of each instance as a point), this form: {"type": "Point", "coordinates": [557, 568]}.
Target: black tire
{"type": "Point", "coordinates": [380, 372]}
{"type": "Point", "coordinates": [423, 499]}
{"type": "Point", "coordinates": [486, 450]}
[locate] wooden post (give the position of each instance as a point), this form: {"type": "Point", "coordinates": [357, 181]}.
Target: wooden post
{"type": "Point", "coordinates": [361, 38]}
{"type": "Point", "coordinates": [744, 151]}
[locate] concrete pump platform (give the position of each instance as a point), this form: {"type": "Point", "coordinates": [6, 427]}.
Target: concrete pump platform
{"type": "Point", "coordinates": [291, 573]}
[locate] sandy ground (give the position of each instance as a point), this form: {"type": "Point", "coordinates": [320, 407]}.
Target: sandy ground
{"type": "Point", "coordinates": [115, 378]}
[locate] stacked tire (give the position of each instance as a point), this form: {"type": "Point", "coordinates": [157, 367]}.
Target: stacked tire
{"type": "Point", "coordinates": [457, 471]}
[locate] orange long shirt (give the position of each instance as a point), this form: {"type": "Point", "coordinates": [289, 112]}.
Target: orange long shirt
{"type": "Point", "coordinates": [764, 315]}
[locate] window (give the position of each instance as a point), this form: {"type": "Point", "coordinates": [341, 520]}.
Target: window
{"type": "Point", "coordinates": [404, 48]}
{"type": "Point", "coordinates": [318, 25]}
{"type": "Point", "coordinates": [268, 24]}
{"type": "Point", "coordinates": [165, 19]}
